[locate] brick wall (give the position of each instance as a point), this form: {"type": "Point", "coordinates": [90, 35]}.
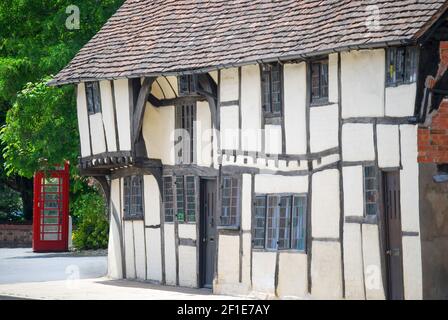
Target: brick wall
{"type": "Point", "coordinates": [15, 235]}
{"type": "Point", "coordinates": [433, 141]}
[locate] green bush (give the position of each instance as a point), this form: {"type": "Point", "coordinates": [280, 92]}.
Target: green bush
{"type": "Point", "coordinates": [10, 205]}
{"type": "Point", "coordinates": [92, 228]}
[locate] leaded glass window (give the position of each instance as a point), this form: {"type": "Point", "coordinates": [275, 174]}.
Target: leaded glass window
{"type": "Point", "coordinates": [230, 201]}
{"type": "Point", "coordinates": [168, 199]}
{"type": "Point", "coordinates": [319, 82]}
{"type": "Point", "coordinates": [401, 65]}
{"type": "Point", "coordinates": [371, 194]}
{"type": "Point", "coordinates": [272, 87]}
{"type": "Point", "coordinates": [133, 197]}
{"type": "Point", "coordinates": [93, 96]}
{"type": "Point", "coordinates": [181, 204]}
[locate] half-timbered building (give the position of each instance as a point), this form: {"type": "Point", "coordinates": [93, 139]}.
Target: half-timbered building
{"type": "Point", "coordinates": [261, 147]}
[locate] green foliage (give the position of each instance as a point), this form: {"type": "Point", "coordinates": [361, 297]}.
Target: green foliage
{"type": "Point", "coordinates": [10, 205]}
{"type": "Point", "coordinates": [92, 227]}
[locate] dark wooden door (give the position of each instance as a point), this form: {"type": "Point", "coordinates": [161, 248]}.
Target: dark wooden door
{"type": "Point", "coordinates": [394, 256]}
{"type": "Point", "coordinates": [208, 232]}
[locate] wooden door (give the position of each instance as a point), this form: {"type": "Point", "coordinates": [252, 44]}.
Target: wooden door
{"type": "Point", "coordinates": [394, 252]}
{"type": "Point", "coordinates": [208, 232]}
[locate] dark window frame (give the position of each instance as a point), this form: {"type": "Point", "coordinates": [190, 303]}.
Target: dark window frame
{"type": "Point", "coordinates": [93, 97]}
{"type": "Point", "coordinates": [272, 87]}
{"type": "Point", "coordinates": [187, 84]}
{"type": "Point", "coordinates": [130, 196]}
{"type": "Point", "coordinates": [178, 203]}
{"type": "Point", "coordinates": [234, 206]}
{"type": "Point", "coordinates": [371, 187]}
{"type": "Point", "coordinates": [185, 118]}
{"type": "Point", "coordinates": [401, 65]}
{"type": "Point", "coordinates": [323, 79]}
{"type": "Point", "coordinates": [274, 201]}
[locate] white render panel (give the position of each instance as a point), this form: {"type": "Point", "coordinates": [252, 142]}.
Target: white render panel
{"type": "Point", "coordinates": [153, 255]}
{"type": "Point", "coordinates": [324, 128]}
{"type": "Point", "coordinates": [353, 262]}
{"type": "Point", "coordinates": [412, 268]}
{"type": "Point", "coordinates": [326, 270]}
{"type": "Point", "coordinates": [172, 80]}
{"type": "Point", "coordinates": [295, 107]}
{"type": "Point", "coordinates": [228, 259]}
{"type": "Point", "coordinates": [170, 255]}
{"type": "Point", "coordinates": [83, 121]}
{"type": "Point", "coordinates": [325, 204]}
{"type": "Point", "coordinates": [230, 128]}
{"type": "Point", "coordinates": [152, 201]}
{"type": "Point", "coordinates": [388, 146]}
{"type": "Point", "coordinates": [108, 115]}
{"type": "Point", "coordinates": [169, 92]}
{"type": "Point", "coordinates": [187, 231]}
{"type": "Point", "coordinates": [246, 258]}
{"type": "Point", "coordinates": [129, 249]}
{"type": "Point", "coordinates": [400, 100]}
{"type": "Point", "coordinates": [333, 94]}
{"type": "Point", "coordinates": [97, 133]}
{"type": "Point", "coordinates": [363, 82]}
{"type": "Point", "coordinates": [357, 142]}
{"type": "Point", "coordinates": [266, 183]}
{"type": "Point", "coordinates": [246, 203]}
{"type": "Point", "coordinates": [292, 275]}
{"type": "Point", "coordinates": [409, 180]}
{"type": "Point", "coordinates": [114, 258]}
{"type": "Point", "coordinates": [140, 250]}
{"type": "Point", "coordinates": [156, 90]}
{"type": "Point", "coordinates": [203, 134]}
{"type": "Point", "coordinates": [353, 191]}
{"type": "Point", "coordinates": [187, 263]}
{"type": "Point", "coordinates": [158, 132]}
{"type": "Point", "coordinates": [251, 108]}
{"type": "Point", "coordinates": [263, 272]}
{"type": "Point", "coordinates": [214, 75]}
{"type": "Point", "coordinates": [229, 85]}
{"type": "Point", "coordinates": [123, 113]}
{"type": "Point", "coordinates": [372, 263]}
{"type": "Point", "coordinates": [273, 139]}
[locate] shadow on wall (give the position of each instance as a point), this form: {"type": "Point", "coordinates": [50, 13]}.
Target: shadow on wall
{"type": "Point", "coordinates": [434, 233]}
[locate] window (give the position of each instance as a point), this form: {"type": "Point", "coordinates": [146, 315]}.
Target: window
{"type": "Point", "coordinates": [93, 97]}
{"type": "Point", "coordinates": [184, 146]}
{"type": "Point", "coordinates": [280, 222]}
{"type": "Point", "coordinates": [371, 190]}
{"type": "Point", "coordinates": [133, 197]}
{"type": "Point", "coordinates": [401, 65]}
{"type": "Point", "coordinates": [272, 86]}
{"type": "Point", "coordinates": [319, 82]}
{"type": "Point", "coordinates": [230, 201]}
{"type": "Point", "coordinates": [187, 84]}
{"type": "Point", "coordinates": [184, 198]}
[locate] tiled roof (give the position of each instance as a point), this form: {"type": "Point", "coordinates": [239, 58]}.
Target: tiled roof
{"type": "Point", "coordinates": [153, 37]}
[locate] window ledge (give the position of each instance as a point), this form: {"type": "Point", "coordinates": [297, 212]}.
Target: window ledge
{"type": "Point", "coordinates": [323, 103]}
{"type": "Point", "coordinates": [279, 250]}
{"type": "Point", "coordinates": [135, 218]}
{"type": "Point", "coordinates": [398, 84]}
{"type": "Point", "coordinates": [228, 228]}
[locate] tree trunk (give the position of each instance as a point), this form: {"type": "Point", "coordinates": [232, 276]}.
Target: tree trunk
{"type": "Point", "coordinates": [27, 199]}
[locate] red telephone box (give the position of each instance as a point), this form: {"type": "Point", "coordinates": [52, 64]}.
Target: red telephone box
{"type": "Point", "coordinates": [51, 196]}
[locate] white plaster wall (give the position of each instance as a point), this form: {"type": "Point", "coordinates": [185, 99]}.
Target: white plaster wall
{"type": "Point", "coordinates": [251, 108]}
{"type": "Point", "coordinates": [83, 121]}
{"type": "Point", "coordinates": [363, 82]}
{"type": "Point", "coordinates": [333, 94]}
{"type": "Point", "coordinates": [353, 191]}
{"type": "Point", "coordinates": [263, 272]}
{"type": "Point", "coordinates": [372, 263]}
{"type": "Point", "coordinates": [295, 107]}
{"type": "Point", "coordinates": [230, 128]}
{"type": "Point", "coordinates": [265, 183]}
{"type": "Point", "coordinates": [353, 262]}
{"type": "Point", "coordinates": [228, 259]}
{"type": "Point", "coordinates": [187, 231]}
{"type": "Point", "coordinates": [324, 128]}
{"type": "Point", "coordinates": [325, 204]}
{"type": "Point", "coordinates": [168, 90]}
{"type": "Point", "coordinates": [156, 90]}
{"type": "Point", "coordinates": [388, 146]}
{"type": "Point", "coordinates": [412, 268]}
{"type": "Point", "coordinates": [153, 255]}
{"type": "Point", "coordinates": [152, 201]}
{"type": "Point", "coordinates": [158, 132]}
{"type": "Point", "coordinates": [108, 115]}
{"type": "Point", "coordinates": [123, 113]}
{"type": "Point", "coordinates": [292, 275]}
{"type": "Point", "coordinates": [97, 133]}
{"type": "Point", "coordinates": [326, 270]}
{"type": "Point", "coordinates": [273, 139]}
{"type": "Point", "coordinates": [246, 203]}
{"type": "Point", "coordinates": [229, 87]}
{"type": "Point", "coordinates": [114, 260]}
{"type": "Point", "coordinates": [203, 134]}
{"type": "Point", "coordinates": [214, 75]}
{"type": "Point", "coordinates": [187, 263]}
{"type": "Point", "coordinates": [246, 259]}
{"type": "Point", "coordinates": [140, 249]}
{"type": "Point", "coordinates": [170, 255]}
{"type": "Point", "coordinates": [400, 101]}
{"type": "Point", "coordinates": [129, 250]}
{"type": "Point", "coordinates": [357, 142]}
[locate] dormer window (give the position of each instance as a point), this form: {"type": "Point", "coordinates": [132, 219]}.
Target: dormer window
{"type": "Point", "coordinates": [93, 95]}
{"type": "Point", "coordinates": [401, 65]}
{"type": "Point", "coordinates": [272, 86]}
{"type": "Point", "coordinates": [187, 84]}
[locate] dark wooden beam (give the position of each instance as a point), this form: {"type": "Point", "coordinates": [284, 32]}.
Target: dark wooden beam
{"type": "Point", "coordinates": [139, 109]}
